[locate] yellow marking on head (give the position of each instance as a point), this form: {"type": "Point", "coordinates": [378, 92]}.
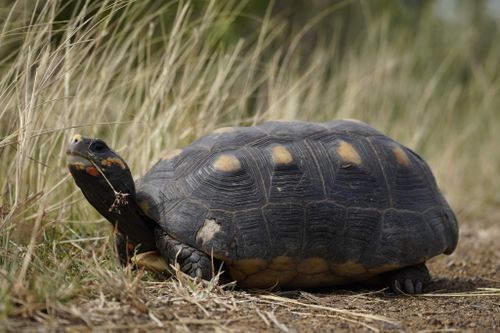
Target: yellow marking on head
{"type": "Point", "coordinates": [401, 156]}
{"type": "Point", "coordinates": [227, 163]}
{"type": "Point", "coordinates": [208, 231]}
{"type": "Point", "coordinates": [313, 265]}
{"type": "Point", "coordinates": [281, 155]}
{"type": "Point", "coordinates": [151, 260]}
{"type": "Point", "coordinates": [78, 162]}
{"type": "Point", "coordinates": [170, 153]}
{"type": "Point", "coordinates": [76, 138]}
{"type": "Point", "coordinates": [223, 130]}
{"type": "Point", "coordinates": [113, 160]}
{"type": "Point", "coordinates": [347, 152]}
{"type": "Point", "coordinates": [92, 171]}
{"type": "Point", "coordinates": [78, 166]}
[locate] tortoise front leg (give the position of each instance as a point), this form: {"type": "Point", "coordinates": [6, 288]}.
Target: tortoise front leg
{"type": "Point", "coordinates": [192, 261]}
{"type": "Point", "coordinates": [124, 248]}
{"type": "Point", "coordinates": [128, 252]}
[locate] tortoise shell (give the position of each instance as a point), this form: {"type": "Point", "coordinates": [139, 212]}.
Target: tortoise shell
{"type": "Point", "coordinates": [305, 204]}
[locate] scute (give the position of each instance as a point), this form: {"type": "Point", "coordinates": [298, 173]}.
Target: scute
{"type": "Point", "coordinates": [410, 186]}
{"type": "Point", "coordinates": [356, 185]}
{"type": "Point", "coordinates": [289, 272]}
{"type": "Point", "coordinates": [348, 154]}
{"type": "Point", "coordinates": [361, 235]}
{"type": "Point", "coordinates": [406, 239]}
{"type": "Point", "coordinates": [234, 188]}
{"type": "Point", "coordinates": [291, 129]}
{"type": "Point", "coordinates": [281, 156]}
{"type": "Point", "coordinates": [324, 229]}
{"type": "Point", "coordinates": [352, 127]}
{"type": "Point", "coordinates": [335, 201]}
{"type": "Point", "coordinates": [231, 139]}
{"type": "Point", "coordinates": [286, 222]}
{"type": "Point", "coordinates": [216, 234]}
{"type": "Point", "coordinates": [299, 180]}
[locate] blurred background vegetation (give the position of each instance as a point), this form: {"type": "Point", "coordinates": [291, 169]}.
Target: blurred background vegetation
{"type": "Point", "coordinates": [149, 75]}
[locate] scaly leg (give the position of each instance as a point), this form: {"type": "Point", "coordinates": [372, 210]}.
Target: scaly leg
{"type": "Point", "coordinates": [192, 261]}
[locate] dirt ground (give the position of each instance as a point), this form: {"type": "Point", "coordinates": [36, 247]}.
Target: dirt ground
{"type": "Point", "coordinates": [463, 296]}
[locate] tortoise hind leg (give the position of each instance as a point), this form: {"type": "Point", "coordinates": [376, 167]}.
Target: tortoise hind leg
{"type": "Point", "coordinates": [408, 280]}
{"type": "Point", "coordinates": [192, 261]}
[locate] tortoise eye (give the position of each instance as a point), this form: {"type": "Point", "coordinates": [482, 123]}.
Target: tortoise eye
{"type": "Point", "coordinates": [98, 147]}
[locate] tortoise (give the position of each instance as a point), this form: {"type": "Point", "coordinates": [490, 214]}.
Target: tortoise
{"type": "Point", "coordinates": [286, 204]}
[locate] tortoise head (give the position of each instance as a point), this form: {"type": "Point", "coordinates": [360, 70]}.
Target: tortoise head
{"type": "Point", "coordinates": [95, 166]}
{"type": "Point", "coordinates": [100, 173]}
{"type": "Point", "coordinates": [107, 183]}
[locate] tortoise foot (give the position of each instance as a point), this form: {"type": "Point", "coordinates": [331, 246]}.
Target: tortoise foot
{"type": "Point", "coordinates": [191, 261]}
{"type": "Point", "coordinates": [408, 280]}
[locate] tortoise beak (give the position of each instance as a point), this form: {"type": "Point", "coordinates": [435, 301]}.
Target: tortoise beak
{"type": "Point", "coordinates": [77, 151]}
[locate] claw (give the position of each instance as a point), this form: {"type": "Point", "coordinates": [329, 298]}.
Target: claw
{"type": "Point", "coordinates": [397, 287]}
{"type": "Point", "coordinates": [409, 286]}
{"type": "Point", "coordinates": [198, 273]}
{"type": "Point", "coordinates": [418, 287]}
{"type": "Point", "coordinates": [409, 280]}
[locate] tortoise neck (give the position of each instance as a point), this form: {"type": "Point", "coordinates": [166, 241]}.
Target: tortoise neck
{"type": "Point", "coordinates": [122, 211]}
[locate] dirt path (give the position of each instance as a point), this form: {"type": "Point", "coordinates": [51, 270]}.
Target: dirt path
{"type": "Point", "coordinates": [180, 306]}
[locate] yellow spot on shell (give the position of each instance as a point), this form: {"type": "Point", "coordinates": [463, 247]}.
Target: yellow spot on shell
{"type": "Point", "coordinates": [282, 263]}
{"type": "Point", "coordinates": [248, 267]}
{"type": "Point", "coordinates": [347, 153]}
{"type": "Point", "coordinates": [349, 268]}
{"type": "Point", "coordinates": [281, 155]}
{"type": "Point", "coordinates": [151, 260]}
{"type": "Point", "coordinates": [268, 279]}
{"type": "Point", "coordinates": [401, 156]}
{"type": "Point", "coordinates": [223, 130]}
{"type": "Point", "coordinates": [208, 231]}
{"type": "Point", "coordinates": [313, 265]}
{"type": "Point", "coordinates": [227, 163]}
{"type": "Point", "coordinates": [170, 153]}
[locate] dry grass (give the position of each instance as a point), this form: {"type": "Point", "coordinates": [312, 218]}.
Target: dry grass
{"type": "Point", "coordinates": [117, 71]}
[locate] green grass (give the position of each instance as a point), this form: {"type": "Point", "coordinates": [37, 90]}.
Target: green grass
{"type": "Point", "coordinates": [124, 72]}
